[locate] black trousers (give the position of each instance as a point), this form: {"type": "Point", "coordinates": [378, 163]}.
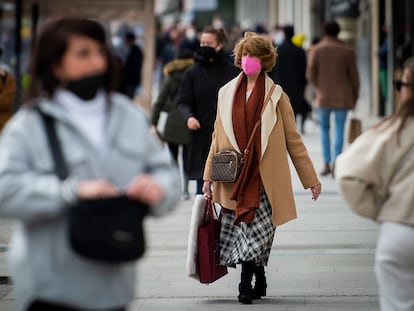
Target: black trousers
{"type": "Point", "coordinates": [46, 306]}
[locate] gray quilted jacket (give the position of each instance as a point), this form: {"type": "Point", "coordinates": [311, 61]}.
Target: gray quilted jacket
{"type": "Point", "coordinates": [42, 263]}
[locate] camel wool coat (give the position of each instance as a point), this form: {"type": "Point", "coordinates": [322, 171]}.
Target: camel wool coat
{"type": "Point", "coordinates": [279, 138]}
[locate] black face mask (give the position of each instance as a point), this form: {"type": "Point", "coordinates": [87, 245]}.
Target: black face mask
{"type": "Point", "coordinates": [86, 88]}
{"type": "Point", "coordinates": [207, 52]}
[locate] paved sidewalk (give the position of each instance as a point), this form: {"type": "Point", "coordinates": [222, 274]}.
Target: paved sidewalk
{"type": "Point", "coordinates": [321, 261]}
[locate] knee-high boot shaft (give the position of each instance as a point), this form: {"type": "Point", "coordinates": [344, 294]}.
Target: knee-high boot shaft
{"type": "Point", "coordinates": [260, 285]}
{"type": "Point", "coordinates": [245, 286]}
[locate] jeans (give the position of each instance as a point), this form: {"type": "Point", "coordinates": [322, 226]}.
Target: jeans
{"type": "Point", "coordinates": [324, 115]}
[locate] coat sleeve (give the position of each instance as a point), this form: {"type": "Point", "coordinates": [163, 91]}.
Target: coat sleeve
{"type": "Point", "coordinates": [212, 151]}
{"type": "Point", "coordinates": [185, 97]}
{"type": "Point", "coordinates": [161, 101]}
{"type": "Point", "coordinates": [160, 164]}
{"type": "Point", "coordinates": [361, 174]}
{"type": "Point", "coordinates": [353, 76]}
{"type": "Point", "coordinates": [311, 68]}
{"type": "Point", "coordinates": [295, 146]}
{"type": "Point", "coordinates": [25, 193]}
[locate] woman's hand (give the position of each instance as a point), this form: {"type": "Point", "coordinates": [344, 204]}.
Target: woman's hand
{"type": "Point", "coordinates": [145, 189]}
{"type": "Point", "coordinates": [193, 124]}
{"type": "Point", "coordinates": [207, 189]}
{"type": "Point", "coordinates": [92, 189]}
{"type": "Point", "coordinates": [316, 191]}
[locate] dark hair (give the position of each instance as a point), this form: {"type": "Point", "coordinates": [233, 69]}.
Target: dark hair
{"type": "Point", "coordinates": [289, 31]}
{"type": "Point", "coordinates": [219, 33]}
{"type": "Point", "coordinates": [331, 28]}
{"type": "Point", "coordinates": [51, 46]}
{"type": "Point", "coordinates": [1, 51]}
{"type": "Point", "coordinates": [405, 108]}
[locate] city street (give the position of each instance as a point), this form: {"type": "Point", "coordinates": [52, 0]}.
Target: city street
{"type": "Point", "coordinates": [321, 261]}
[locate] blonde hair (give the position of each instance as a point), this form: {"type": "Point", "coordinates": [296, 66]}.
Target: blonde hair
{"type": "Point", "coordinates": [258, 46]}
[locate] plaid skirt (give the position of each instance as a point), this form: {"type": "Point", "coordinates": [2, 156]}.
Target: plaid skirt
{"type": "Point", "coordinates": [248, 241]}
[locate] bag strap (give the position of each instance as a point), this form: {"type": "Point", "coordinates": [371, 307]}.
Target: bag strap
{"type": "Point", "coordinates": [246, 150]}
{"type": "Point", "coordinates": [210, 209]}
{"type": "Point", "coordinates": [54, 145]}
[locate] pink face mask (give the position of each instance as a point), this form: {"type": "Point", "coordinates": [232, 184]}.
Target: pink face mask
{"type": "Point", "coordinates": [250, 65]}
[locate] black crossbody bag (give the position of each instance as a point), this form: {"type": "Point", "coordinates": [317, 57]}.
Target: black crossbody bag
{"type": "Point", "coordinates": [104, 229]}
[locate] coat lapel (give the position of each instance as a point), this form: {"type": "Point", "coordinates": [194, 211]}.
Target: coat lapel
{"type": "Point", "coordinates": [226, 97]}
{"type": "Point", "coordinates": [269, 116]}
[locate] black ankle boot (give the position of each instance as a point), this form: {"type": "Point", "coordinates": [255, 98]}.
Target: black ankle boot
{"type": "Point", "coordinates": [260, 285]}
{"type": "Point", "coordinates": [245, 286]}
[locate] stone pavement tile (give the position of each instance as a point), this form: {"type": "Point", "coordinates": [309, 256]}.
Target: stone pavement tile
{"type": "Point", "coordinates": [5, 230]}
{"type": "Point", "coordinates": [297, 303]}
{"type": "Point", "coordinates": [4, 271]}
{"type": "Point", "coordinates": [7, 305]}
{"type": "Point", "coordinates": [342, 303]}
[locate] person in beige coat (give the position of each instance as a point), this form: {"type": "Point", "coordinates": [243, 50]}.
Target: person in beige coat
{"type": "Point", "coordinates": [332, 69]}
{"type": "Point", "coordinates": [376, 178]}
{"type": "Point", "coordinates": [262, 196]}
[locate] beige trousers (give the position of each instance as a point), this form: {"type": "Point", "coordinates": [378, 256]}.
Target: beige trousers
{"type": "Point", "coordinates": [394, 266]}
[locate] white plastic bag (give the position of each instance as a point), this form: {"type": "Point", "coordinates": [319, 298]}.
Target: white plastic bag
{"type": "Point", "coordinates": [162, 121]}
{"type": "Point", "coordinates": [197, 214]}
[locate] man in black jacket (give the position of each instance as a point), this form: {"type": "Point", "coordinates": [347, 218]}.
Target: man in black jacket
{"type": "Point", "coordinates": [290, 73]}
{"type": "Point", "coordinates": [132, 67]}
{"type": "Point", "coordinates": [197, 98]}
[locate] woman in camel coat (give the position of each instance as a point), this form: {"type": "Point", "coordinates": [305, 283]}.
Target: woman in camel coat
{"type": "Point", "coordinates": [262, 197]}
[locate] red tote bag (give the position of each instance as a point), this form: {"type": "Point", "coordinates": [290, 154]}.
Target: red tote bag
{"type": "Point", "coordinates": [209, 268]}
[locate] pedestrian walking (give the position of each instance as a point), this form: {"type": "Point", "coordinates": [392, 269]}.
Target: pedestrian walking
{"type": "Point", "coordinates": [109, 150]}
{"type": "Point", "coordinates": [7, 93]}
{"type": "Point", "coordinates": [375, 177]}
{"type": "Point", "coordinates": [132, 66]}
{"type": "Point", "coordinates": [175, 132]}
{"type": "Point", "coordinates": [262, 196]}
{"type": "Point", "coordinates": [290, 74]}
{"type": "Point", "coordinates": [333, 71]}
{"type": "Point", "coordinates": [197, 98]}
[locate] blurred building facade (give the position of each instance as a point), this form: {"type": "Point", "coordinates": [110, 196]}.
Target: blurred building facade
{"type": "Point", "coordinates": [365, 25]}
{"type": "Point", "coordinates": [21, 19]}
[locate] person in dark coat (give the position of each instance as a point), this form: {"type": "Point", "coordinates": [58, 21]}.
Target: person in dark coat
{"type": "Point", "coordinates": [197, 98]}
{"type": "Point", "coordinates": [175, 132]}
{"type": "Point", "coordinates": [290, 73]}
{"type": "Point", "coordinates": [132, 67]}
